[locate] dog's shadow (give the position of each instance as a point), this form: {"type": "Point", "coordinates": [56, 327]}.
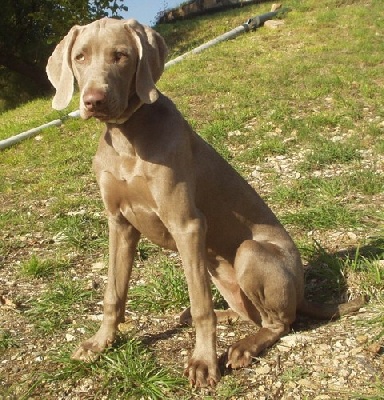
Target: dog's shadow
{"type": "Point", "coordinates": [326, 272]}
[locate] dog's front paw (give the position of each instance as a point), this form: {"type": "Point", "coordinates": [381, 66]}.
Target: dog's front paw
{"type": "Point", "coordinates": [85, 353]}
{"type": "Point", "coordinates": [202, 374]}
{"type": "Point", "coordinates": [239, 355]}
{"type": "Point", "coordinates": [90, 350]}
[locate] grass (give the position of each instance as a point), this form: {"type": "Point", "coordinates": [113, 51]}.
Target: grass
{"type": "Point", "coordinates": [294, 374]}
{"type": "Point", "coordinates": [117, 372]}
{"type": "Point", "coordinates": [165, 290]}
{"type": "Point", "coordinates": [38, 268]}
{"type": "Point", "coordinates": [53, 309]}
{"type": "Point", "coordinates": [305, 103]}
{"type": "Point", "coordinates": [6, 340]}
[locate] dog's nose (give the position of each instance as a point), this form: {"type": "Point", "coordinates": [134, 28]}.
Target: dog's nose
{"type": "Point", "coordinates": [93, 99]}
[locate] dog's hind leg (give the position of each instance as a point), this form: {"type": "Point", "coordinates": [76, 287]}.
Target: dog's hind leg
{"type": "Point", "coordinates": [270, 283]}
{"type": "Point", "coordinates": [223, 276]}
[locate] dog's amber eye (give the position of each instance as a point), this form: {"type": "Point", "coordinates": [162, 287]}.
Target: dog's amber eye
{"type": "Point", "coordinates": [119, 55]}
{"type": "Point", "coordinates": [80, 58]}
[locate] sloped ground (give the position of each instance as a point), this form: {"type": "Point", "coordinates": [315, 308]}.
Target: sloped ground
{"type": "Point", "coordinates": [298, 112]}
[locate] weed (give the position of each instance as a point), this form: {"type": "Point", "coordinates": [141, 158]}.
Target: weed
{"type": "Point", "coordinates": [37, 268]}
{"type": "Point", "coordinates": [294, 374]}
{"type": "Point", "coordinates": [379, 389]}
{"type": "Point", "coordinates": [327, 152]}
{"type": "Point", "coordinates": [53, 310]}
{"type": "Point", "coordinates": [82, 231]}
{"type": "Point", "coordinates": [6, 340]}
{"type": "Point", "coordinates": [128, 371]}
{"type": "Point", "coordinates": [323, 216]}
{"type": "Point", "coordinates": [328, 270]}
{"type": "Point", "coordinates": [165, 289]}
{"type": "Point", "coordinates": [131, 371]}
{"type": "Point", "coordinates": [145, 249]}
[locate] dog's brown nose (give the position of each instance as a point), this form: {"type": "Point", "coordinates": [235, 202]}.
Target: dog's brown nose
{"type": "Point", "coordinates": [94, 99]}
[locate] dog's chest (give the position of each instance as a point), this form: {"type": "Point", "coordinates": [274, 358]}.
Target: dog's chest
{"type": "Point", "coordinates": [125, 188]}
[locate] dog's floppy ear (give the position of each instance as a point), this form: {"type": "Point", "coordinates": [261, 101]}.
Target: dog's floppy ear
{"type": "Point", "coordinates": [152, 52]}
{"type": "Point", "coordinates": [59, 70]}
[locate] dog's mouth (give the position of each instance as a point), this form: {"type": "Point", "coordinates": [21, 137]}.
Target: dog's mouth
{"type": "Point", "coordinates": [104, 118]}
{"type": "Point", "coordinates": [101, 116]}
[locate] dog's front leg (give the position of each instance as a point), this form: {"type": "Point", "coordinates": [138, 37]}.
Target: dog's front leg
{"type": "Point", "coordinates": [123, 239]}
{"type": "Point", "coordinates": [202, 369]}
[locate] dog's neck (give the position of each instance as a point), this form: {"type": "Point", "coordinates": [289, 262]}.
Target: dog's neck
{"type": "Point", "coordinates": [134, 104]}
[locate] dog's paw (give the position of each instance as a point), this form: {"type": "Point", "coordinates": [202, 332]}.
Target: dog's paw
{"type": "Point", "coordinates": [85, 354]}
{"type": "Point", "coordinates": [239, 356]}
{"type": "Point", "coordinates": [90, 350]}
{"type": "Point", "coordinates": [201, 375]}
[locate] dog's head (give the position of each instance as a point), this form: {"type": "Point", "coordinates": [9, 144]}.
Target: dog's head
{"type": "Point", "coordinates": [116, 64]}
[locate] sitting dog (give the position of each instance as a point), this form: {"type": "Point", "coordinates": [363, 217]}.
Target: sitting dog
{"type": "Point", "coordinates": [158, 178]}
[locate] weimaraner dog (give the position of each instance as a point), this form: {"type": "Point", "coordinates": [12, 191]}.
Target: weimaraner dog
{"type": "Point", "coordinates": [158, 178]}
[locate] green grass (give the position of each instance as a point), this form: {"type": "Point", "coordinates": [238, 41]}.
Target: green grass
{"type": "Point", "coordinates": [6, 340]}
{"type": "Point", "coordinates": [164, 290]}
{"type": "Point", "coordinates": [308, 95]}
{"type": "Point", "coordinates": [294, 374]}
{"type": "Point", "coordinates": [38, 268]}
{"type": "Point", "coordinates": [118, 373]}
{"type": "Point", "coordinates": [379, 387]}
{"type": "Point", "coordinates": [52, 311]}
{"type": "Point", "coordinates": [124, 377]}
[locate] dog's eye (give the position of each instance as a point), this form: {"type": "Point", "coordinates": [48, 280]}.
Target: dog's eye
{"type": "Point", "coordinates": [80, 58]}
{"type": "Point", "coordinates": [119, 55]}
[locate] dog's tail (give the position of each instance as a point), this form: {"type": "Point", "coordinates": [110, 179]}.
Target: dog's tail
{"type": "Point", "coordinates": [330, 311]}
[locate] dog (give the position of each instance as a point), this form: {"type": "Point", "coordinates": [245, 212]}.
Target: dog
{"type": "Point", "coordinates": [159, 179]}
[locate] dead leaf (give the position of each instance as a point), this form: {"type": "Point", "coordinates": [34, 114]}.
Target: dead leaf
{"type": "Point", "coordinates": [4, 301]}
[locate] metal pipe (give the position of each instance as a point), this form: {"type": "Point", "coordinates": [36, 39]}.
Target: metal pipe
{"type": "Point", "coordinates": [251, 24]}
{"type": "Point", "coordinates": [34, 131]}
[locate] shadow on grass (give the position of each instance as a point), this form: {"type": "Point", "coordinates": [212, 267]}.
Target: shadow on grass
{"type": "Point", "coordinates": [326, 273]}
{"type": "Point", "coordinates": [152, 338]}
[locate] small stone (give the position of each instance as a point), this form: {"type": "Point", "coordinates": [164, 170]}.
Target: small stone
{"type": "Point", "coordinates": [69, 337]}
{"type": "Point", "coordinates": [263, 370]}
{"type": "Point", "coordinates": [356, 350]}
{"type": "Point", "coordinates": [234, 133]}
{"type": "Point", "coordinates": [275, 6]}
{"type": "Point", "coordinates": [362, 339]}
{"type": "Point", "coordinates": [274, 23]}
{"type": "Point", "coordinates": [352, 235]}
{"type": "Point", "coordinates": [97, 266]}
{"type": "Point", "coordinates": [96, 317]}
{"type": "Point", "coordinates": [283, 349]}
{"type": "Point", "coordinates": [305, 382]}
{"type": "Point", "coordinates": [375, 348]}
